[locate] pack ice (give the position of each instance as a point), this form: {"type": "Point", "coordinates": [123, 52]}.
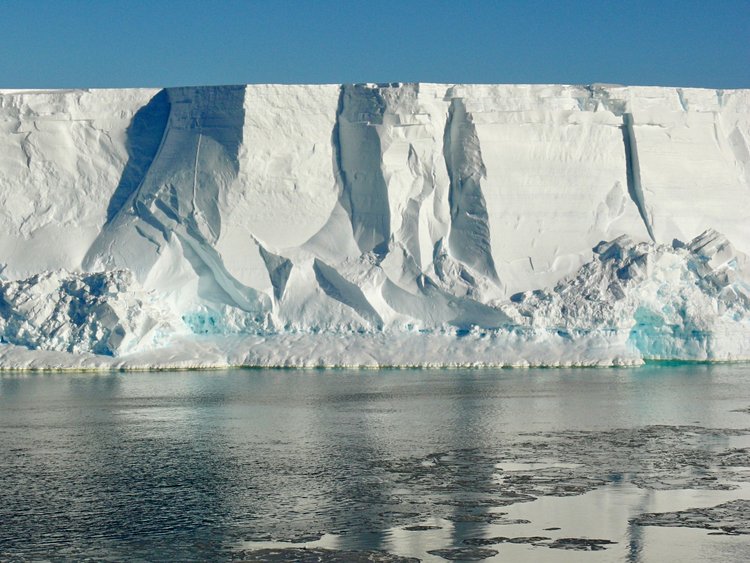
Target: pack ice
{"type": "Point", "coordinates": [372, 225]}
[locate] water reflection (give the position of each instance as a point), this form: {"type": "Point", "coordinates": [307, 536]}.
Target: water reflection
{"type": "Point", "coordinates": [635, 533]}
{"type": "Point", "coordinates": [198, 464]}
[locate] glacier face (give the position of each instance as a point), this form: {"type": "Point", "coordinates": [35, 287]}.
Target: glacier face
{"type": "Point", "coordinates": [400, 224]}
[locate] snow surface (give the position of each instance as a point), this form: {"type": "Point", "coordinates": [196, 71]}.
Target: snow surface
{"type": "Point", "coordinates": [397, 224]}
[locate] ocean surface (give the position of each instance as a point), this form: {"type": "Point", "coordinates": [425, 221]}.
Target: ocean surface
{"type": "Point", "coordinates": [645, 464]}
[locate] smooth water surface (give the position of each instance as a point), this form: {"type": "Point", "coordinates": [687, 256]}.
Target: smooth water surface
{"type": "Point", "coordinates": [518, 465]}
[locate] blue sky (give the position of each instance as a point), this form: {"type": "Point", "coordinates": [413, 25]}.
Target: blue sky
{"type": "Point", "coordinates": [122, 43]}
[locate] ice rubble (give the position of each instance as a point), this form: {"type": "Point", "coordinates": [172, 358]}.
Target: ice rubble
{"type": "Point", "coordinates": [104, 313]}
{"type": "Point", "coordinates": [670, 301]}
{"type": "Point", "coordinates": [395, 224]}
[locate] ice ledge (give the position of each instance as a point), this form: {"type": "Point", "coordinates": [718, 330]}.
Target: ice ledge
{"type": "Point", "coordinates": [378, 350]}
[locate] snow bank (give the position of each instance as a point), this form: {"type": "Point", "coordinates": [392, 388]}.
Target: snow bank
{"type": "Point", "coordinates": [279, 223]}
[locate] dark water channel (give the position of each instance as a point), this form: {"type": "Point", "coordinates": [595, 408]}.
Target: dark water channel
{"type": "Point", "coordinates": [646, 464]}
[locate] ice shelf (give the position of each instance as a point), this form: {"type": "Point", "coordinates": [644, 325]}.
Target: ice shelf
{"type": "Point", "coordinates": [392, 224]}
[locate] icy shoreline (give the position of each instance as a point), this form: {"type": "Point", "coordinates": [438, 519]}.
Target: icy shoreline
{"type": "Point", "coordinates": [330, 351]}
{"type": "Point", "coordinates": [373, 351]}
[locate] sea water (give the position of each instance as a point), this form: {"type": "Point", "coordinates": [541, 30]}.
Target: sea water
{"type": "Point", "coordinates": [378, 465]}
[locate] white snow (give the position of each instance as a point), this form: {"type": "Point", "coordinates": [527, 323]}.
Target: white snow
{"type": "Point", "coordinates": [399, 224]}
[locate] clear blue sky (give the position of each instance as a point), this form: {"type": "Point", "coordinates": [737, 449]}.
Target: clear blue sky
{"type": "Point", "coordinates": [121, 43]}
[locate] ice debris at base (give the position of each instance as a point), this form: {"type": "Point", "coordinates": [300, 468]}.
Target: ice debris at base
{"type": "Point", "coordinates": [633, 301]}
{"type": "Point", "coordinates": [102, 313]}
{"type": "Point", "coordinates": [671, 301]}
{"type": "Point", "coordinates": [394, 224]}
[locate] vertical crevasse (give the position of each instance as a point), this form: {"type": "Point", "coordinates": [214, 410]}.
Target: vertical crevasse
{"type": "Point", "coordinates": [357, 158]}
{"type": "Point", "coordinates": [469, 237]}
{"type": "Point", "coordinates": [633, 171]}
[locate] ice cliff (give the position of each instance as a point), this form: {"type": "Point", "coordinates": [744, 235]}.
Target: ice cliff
{"type": "Point", "coordinates": [395, 224]}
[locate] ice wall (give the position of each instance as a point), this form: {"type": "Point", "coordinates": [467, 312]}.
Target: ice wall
{"type": "Point", "coordinates": [397, 207]}
{"type": "Point", "coordinates": [63, 155]}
